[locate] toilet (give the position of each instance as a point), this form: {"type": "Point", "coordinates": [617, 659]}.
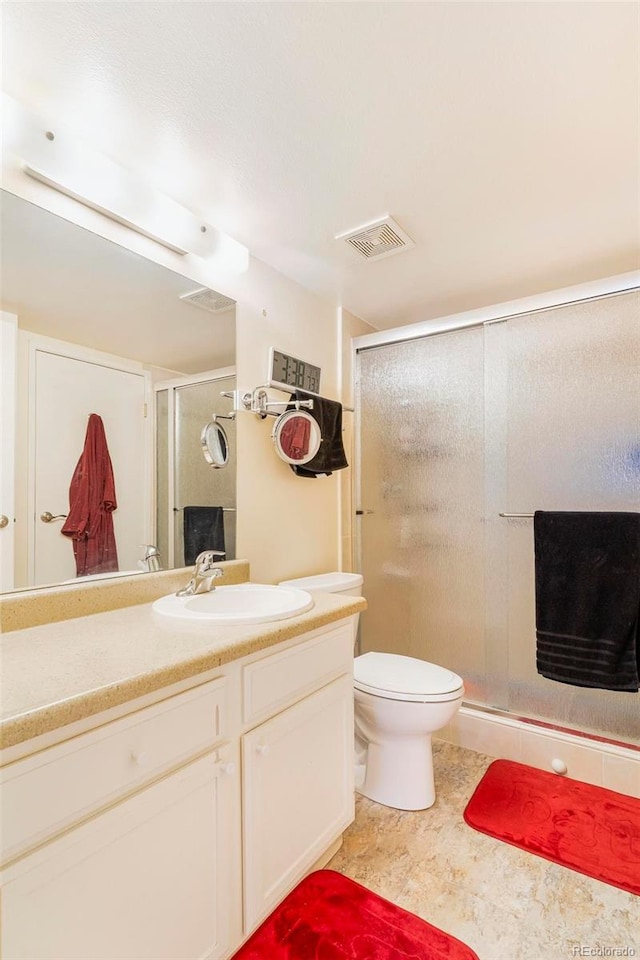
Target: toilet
{"type": "Point", "coordinates": [400, 702]}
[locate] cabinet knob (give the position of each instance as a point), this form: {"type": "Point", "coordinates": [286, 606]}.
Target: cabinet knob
{"type": "Point", "coordinates": [262, 749]}
{"type": "Point", "coordinates": [228, 768]}
{"type": "Point", "coordinates": [4, 521]}
{"type": "Point", "coordinates": [141, 759]}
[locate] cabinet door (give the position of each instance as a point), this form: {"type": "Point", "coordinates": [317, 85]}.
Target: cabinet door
{"type": "Point", "coordinates": [147, 880]}
{"type": "Point", "coordinates": [297, 793]}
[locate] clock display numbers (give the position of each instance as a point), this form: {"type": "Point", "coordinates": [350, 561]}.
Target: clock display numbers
{"type": "Point", "coordinates": [291, 372]}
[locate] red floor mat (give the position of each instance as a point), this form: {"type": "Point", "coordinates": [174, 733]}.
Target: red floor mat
{"type": "Point", "coordinates": [589, 829]}
{"type": "Point", "coordinates": [329, 917]}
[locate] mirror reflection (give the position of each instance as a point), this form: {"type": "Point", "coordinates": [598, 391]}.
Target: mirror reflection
{"type": "Point", "coordinates": [215, 445]}
{"type": "Point", "coordinates": [296, 435]}
{"type": "Point", "coordinates": [94, 334]}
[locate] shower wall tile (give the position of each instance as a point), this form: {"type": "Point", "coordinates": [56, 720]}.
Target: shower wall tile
{"type": "Point", "coordinates": [592, 761]}
{"type": "Point", "coordinates": [583, 763]}
{"type": "Point", "coordinates": [483, 735]}
{"type": "Point", "coordinates": [621, 774]}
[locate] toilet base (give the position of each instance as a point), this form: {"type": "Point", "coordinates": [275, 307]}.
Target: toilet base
{"type": "Point", "coordinates": [399, 774]}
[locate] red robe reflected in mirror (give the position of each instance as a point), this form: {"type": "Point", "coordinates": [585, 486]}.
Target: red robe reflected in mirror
{"type": "Point", "coordinates": [92, 500]}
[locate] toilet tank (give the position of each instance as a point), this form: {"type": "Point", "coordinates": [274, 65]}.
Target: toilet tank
{"type": "Point", "coordinates": [348, 584]}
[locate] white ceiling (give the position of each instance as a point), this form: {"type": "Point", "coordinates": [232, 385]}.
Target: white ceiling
{"type": "Point", "coordinates": [503, 137]}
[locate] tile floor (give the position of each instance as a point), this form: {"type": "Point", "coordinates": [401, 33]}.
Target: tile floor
{"type": "Point", "coordinates": [504, 903]}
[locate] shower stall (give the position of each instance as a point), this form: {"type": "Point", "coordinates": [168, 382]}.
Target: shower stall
{"type": "Point", "coordinates": [184, 477]}
{"type": "Point", "coordinates": [462, 436]}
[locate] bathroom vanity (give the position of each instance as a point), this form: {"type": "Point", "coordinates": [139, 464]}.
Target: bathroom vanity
{"type": "Point", "coordinates": [169, 820]}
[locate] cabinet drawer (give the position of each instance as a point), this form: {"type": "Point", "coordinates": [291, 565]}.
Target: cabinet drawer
{"type": "Point", "coordinates": [275, 681]}
{"type": "Point", "coordinates": [43, 794]}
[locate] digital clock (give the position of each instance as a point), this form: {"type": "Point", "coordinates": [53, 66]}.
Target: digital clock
{"type": "Point", "coordinates": [287, 373]}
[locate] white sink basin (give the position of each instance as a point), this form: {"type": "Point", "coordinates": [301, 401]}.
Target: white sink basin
{"type": "Point", "coordinates": [238, 603]}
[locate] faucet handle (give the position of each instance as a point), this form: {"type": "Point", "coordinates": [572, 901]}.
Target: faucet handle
{"type": "Point", "coordinates": [208, 557]}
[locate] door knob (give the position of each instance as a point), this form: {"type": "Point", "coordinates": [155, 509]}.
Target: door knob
{"type": "Point", "coordinates": [47, 517]}
{"type": "Point", "coordinates": [4, 521]}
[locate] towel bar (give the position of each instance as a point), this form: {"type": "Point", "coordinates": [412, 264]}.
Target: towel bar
{"type": "Point", "coordinates": [224, 509]}
{"type": "Point", "coordinates": [257, 401]}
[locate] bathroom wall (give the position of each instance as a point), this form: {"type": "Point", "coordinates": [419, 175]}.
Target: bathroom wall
{"type": "Point", "coordinates": [287, 525]}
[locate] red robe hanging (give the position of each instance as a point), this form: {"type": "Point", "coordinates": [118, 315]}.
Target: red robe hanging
{"type": "Point", "coordinates": [92, 500]}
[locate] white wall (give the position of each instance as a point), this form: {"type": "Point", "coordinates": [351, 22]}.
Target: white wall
{"type": "Point", "coordinates": [287, 525]}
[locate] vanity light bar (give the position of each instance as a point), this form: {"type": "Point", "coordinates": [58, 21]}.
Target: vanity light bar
{"type": "Point", "coordinates": [93, 205]}
{"type": "Point", "coordinates": [61, 159]}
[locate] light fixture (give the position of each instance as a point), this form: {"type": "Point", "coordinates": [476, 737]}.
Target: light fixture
{"type": "Point", "coordinates": [95, 204]}
{"type": "Point", "coordinates": [55, 157]}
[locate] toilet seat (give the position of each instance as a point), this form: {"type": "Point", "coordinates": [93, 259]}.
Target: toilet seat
{"type": "Point", "coordinates": [395, 677]}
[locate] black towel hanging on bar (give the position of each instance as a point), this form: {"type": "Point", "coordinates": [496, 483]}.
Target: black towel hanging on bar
{"type": "Point", "coordinates": [587, 569]}
{"type": "Point", "coordinates": [331, 455]}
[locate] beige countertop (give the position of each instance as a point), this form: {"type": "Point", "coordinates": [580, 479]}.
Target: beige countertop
{"type": "Point", "coordinates": [58, 673]}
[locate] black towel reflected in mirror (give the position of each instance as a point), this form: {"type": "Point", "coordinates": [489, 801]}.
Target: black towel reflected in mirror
{"type": "Point", "coordinates": [203, 530]}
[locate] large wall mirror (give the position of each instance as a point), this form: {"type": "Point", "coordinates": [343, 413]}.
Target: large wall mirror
{"type": "Point", "coordinates": [89, 327]}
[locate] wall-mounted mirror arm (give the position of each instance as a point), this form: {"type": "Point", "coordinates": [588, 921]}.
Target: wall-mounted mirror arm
{"type": "Point", "coordinates": [257, 401]}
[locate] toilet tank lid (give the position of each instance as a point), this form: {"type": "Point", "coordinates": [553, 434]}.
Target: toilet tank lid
{"type": "Point", "coordinates": [329, 582]}
{"type": "Point", "coordinates": [398, 674]}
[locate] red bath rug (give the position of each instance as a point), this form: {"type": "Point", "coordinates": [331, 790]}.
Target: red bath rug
{"type": "Point", "coordinates": [589, 829]}
{"type": "Point", "coordinates": [329, 917]}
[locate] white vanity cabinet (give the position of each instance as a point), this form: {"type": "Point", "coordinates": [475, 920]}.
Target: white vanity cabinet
{"type": "Point", "coordinates": [169, 834]}
{"type": "Point", "coordinates": [146, 876]}
{"type": "Point", "coordinates": [145, 880]}
{"type": "Point", "coordinates": [298, 793]}
{"type": "Point", "coordinates": [297, 767]}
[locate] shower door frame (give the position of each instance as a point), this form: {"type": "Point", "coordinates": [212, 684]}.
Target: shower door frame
{"type": "Point", "coordinates": [188, 380]}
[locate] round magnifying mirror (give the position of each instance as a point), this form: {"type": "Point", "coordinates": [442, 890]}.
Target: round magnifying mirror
{"type": "Point", "coordinates": [215, 445]}
{"type": "Point", "coordinates": [296, 436]}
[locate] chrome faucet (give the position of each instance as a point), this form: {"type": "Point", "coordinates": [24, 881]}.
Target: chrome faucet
{"type": "Point", "coordinates": [151, 562]}
{"type": "Point", "coordinates": [204, 574]}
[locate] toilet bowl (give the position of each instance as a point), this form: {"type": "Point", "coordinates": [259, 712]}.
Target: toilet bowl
{"type": "Point", "coordinates": [400, 702]}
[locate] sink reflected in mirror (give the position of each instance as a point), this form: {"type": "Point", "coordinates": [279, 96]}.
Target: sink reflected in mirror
{"type": "Point", "coordinates": [238, 603]}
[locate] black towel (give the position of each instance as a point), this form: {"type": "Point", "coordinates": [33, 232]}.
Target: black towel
{"type": "Point", "coordinates": [203, 530]}
{"type": "Point", "coordinates": [331, 455]}
{"type": "Point", "coordinates": [588, 598]}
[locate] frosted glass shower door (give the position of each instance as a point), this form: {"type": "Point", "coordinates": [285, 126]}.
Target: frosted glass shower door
{"type": "Point", "coordinates": [422, 474]}
{"type": "Point", "coordinates": [572, 410]}
{"type": "Point", "coordinates": [536, 412]}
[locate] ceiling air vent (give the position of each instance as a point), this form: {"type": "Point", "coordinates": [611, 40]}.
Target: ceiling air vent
{"type": "Point", "coordinates": [382, 238]}
{"type": "Point", "coordinates": [208, 299]}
